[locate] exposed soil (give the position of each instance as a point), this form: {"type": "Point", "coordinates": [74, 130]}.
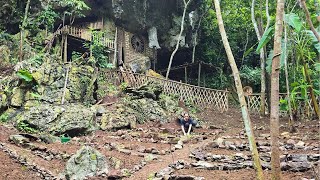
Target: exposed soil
{"type": "Point", "coordinates": [9, 169]}
{"type": "Point", "coordinates": [130, 147]}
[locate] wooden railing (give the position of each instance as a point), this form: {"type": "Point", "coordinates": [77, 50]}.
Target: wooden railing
{"type": "Point", "coordinates": [199, 96]}
{"type": "Point", "coordinates": [87, 35]}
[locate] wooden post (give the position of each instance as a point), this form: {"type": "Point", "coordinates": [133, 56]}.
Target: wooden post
{"type": "Point", "coordinates": [154, 51]}
{"type": "Point", "coordinates": [65, 55]}
{"type": "Point", "coordinates": [62, 45]}
{"type": "Point", "coordinates": [115, 48]}
{"type": "Point", "coordinates": [199, 74]}
{"type": "Point", "coordinates": [185, 75]}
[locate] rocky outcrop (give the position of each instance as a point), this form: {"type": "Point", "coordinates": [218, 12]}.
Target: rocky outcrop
{"type": "Point", "coordinates": [72, 120]}
{"type": "Point", "coordinates": [139, 16]}
{"type": "Point", "coordinates": [87, 162]}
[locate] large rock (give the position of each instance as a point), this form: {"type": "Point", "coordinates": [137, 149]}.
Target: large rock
{"type": "Point", "coordinates": [118, 119]}
{"type": "Point", "coordinates": [140, 65]}
{"type": "Point", "coordinates": [72, 119]}
{"type": "Point", "coordinates": [3, 101]}
{"type": "Point", "coordinates": [18, 95]}
{"type": "Point", "coordinates": [147, 109]}
{"type": "Point", "coordinates": [87, 162]}
{"type": "Point", "coordinates": [150, 90]}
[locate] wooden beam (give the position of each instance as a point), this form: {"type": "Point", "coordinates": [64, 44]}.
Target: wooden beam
{"type": "Point", "coordinates": [185, 75]}
{"type": "Point", "coordinates": [199, 74]}
{"type": "Point", "coordinates": [187, 65]}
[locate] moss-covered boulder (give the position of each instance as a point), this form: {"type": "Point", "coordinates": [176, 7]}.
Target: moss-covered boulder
{"type": "Point", "coordinates": [3, 100]}
{"type": "Point", "coordinates": [148, 90]}
{"type": "Point", "coordinates": [80, 79]}
{"type": "Point", "coordinates": [147, 109]}
{"type": "Point", "coordinates": [87, 162]}
{"type": "Point", "coordinates": [18, 97]}
{"type": "Point", "coordinates": [73, 120]}
{"type": "Point", "coordinates": [118, 119]}
{"type": "Point", "coordinates": [4, 55]}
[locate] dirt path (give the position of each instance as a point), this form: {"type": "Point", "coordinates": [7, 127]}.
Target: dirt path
{"type": "Point", "coordinates": [164, 161]}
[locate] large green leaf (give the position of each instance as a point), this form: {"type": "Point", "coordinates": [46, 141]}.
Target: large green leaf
{"type": "Point", "coordinates": [266, 37]}
{"type": "Point", "coordinates": [270, 57]}
{"type": "Point", "coordinates": [314, 39]}
{"type": "Point", "coordinates": [294, 21]}
{"type": "Point", "coordinates": [317, 66]}
{"type": "Point", "coordinates": [25, 75]}
{"type": "Point", "coordinates": [269, 62]}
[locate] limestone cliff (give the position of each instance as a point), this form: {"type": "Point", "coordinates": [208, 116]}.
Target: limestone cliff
{"type": "Point", "coordinates": [138, 16]}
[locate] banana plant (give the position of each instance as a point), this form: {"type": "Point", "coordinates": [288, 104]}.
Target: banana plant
{"type": "Point", "coordinates": [302, 41]}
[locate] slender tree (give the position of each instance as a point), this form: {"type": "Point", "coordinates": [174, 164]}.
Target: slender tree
{"type": "Point", "coordinates": [22, 28]}
{"type": "Point", "coordinates": [287, 77]}
{"type": "Point", "coordinates": [306, 11]}
{"type": "Point", "coordinates": [186, 4]}
{"type": "Point", "coordinates": [274, 115]}
{"type": "Point", "coordinates": [237, 80]}
{"type": "Point", "coordinates": [313, 98]}
{"type": "Point", "coordinates": [259, 33]}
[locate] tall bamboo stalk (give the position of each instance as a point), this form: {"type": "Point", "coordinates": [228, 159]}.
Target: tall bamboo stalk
{"type": "Point", "coordinates": [237, 80]}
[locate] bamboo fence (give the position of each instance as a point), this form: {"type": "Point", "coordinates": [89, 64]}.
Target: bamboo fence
{"type": "Point", "coordinates": [200, 96]}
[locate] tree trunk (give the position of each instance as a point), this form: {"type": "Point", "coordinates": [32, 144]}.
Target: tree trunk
{"type": "Point", "coordinates": [274, 115]}
{"type": "Point", "coordinates": [287, 78]}
{"type": "Point", "coordinates": [195, 40]}
{"type": "Point", "coordinates": [22, 29]}
{"type": "Point", "coordinates": [244, 108]}
{"type": "Point", "coordinates": [186, 3]}
{"type": "Point", "coordinates": [262, 62]}
{"type": "Point", "coordinates": [304, 6]}
{"type": "Point", "coordinates": [313, 97]}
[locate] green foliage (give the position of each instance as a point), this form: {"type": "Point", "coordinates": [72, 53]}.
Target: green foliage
{"type": "Point", "coordinates": [123, 86]}
{"type": "Point", "coordinates": [47, 16]}
{"type": "Point", "coordinates": [294, 21]}
{"type": "Point", "coordinates": [317, 67]}
{"type": "Point", "coordinates": [266, 37]}
{"type": "Point", "coordinates": [25, 75]}
{"type": "Point", "coordinates": [4, 117]}
{"type": "Point", "coordinates": [250, 76]}
{"type": "Point", "coordinates": [100, 53]}
{"type": "Point", "coordinates": [22, 126]}
{"type": "Point", "coordinates": [314, 39]}
{"type": "Point", "coordinates": [74, 7]}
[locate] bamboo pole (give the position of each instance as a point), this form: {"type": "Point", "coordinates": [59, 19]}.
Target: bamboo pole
{"type": "Point", "coordinates": [244, 108]}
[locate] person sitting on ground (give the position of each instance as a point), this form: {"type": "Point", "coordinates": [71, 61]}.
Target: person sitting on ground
{"type": "Point", "coordinates": [186, 124]}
